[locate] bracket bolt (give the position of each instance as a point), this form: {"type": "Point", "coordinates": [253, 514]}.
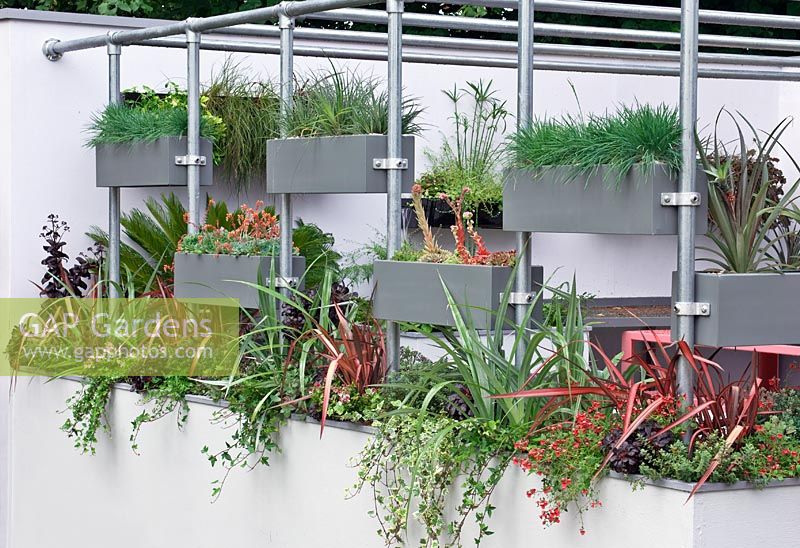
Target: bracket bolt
{"type": "Point", "coordinates": [703, 309]}
{"type": "Point", "coordinates": [667, 199]}
{"type": "Point", "coordinates": [378, 164]}
{"type": "Point", "coordinates": [694, 199]}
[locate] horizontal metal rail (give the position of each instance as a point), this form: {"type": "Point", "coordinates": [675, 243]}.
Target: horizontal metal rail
{"type": "Point", "coordinates": [557, 30]}
{"type": "Point", "coordinates": [458, 60]}
{"type": "Point", "coordinates": [658, 13]}
{"type": "Point", "coordinates": [508, 46]}
{"type": "Point", "coordinates": [53, 49]}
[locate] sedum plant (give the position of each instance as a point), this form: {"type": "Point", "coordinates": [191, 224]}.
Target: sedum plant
{"type": "Point", "coordinates": [257, 232]}
{"type": "Point", "coordinates": [154, 234]}
{"type": "Point", "coordinates": [630, 136]}
{"type": "Point", "coordinates": [470, 248]}
{"type": "Point", "coordinates": [744, 207]}
{"type": "Point", "coordinates": [337, 102]}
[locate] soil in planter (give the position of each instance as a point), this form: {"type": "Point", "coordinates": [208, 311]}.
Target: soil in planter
{"type": "Point", "coordinates": [439, 215]}
{"type": "Point", "coordinates": [637, 311]}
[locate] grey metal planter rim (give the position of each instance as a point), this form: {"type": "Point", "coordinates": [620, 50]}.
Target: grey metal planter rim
{"type": "Point", "coordinates": [337, 164]}
{"type": "Point", "coordinates": [677, 485]}
{"type": "Point", "coordinates": [554, 199]}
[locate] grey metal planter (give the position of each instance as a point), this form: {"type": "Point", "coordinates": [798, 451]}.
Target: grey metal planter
{"type": "Point", "coordinates": [746, 309]}
{"type": "Point", "coordinates": [212, 276]}
{"type": "Point", "coordinates": [543, 202]}
{"type": "Point", "coordinates": [413, 292]}
{"type": "Point", "coordinates": [142, 164]}
{"type": "Point", "coordinates": [332, 165]}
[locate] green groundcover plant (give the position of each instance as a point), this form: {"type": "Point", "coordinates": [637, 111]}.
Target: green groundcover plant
{"type": "Point", "coordinates": [640, 135]}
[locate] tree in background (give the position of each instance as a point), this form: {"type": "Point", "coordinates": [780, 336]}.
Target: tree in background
{"type": "Point", "coordinates": [180, 9]}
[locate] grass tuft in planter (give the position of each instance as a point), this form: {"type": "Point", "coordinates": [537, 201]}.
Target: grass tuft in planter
{"type": "Point", "coordinates": [600, 174]}
{"type": "Point", "coordinates": [337, 126]}
{"type": "Point", "coordinates": [217, 262]}
{"type": "Point", "coordinates": [754, 228]}
{"type": "Point", "coordinates": [136, 147]}
{"type": "Point", "coordinates": [409, 287]}
{"type": "Point", "coordinates": [642, 135]}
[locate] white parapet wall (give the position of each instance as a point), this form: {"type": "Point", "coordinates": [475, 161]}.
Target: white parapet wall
{"type": "Point", "coordinates": [161, 497]}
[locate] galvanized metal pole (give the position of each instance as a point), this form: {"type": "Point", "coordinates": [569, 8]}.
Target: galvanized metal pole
{"type": "Point", "coordinates": [522, 283]}
{"type": "Point", "coordinates": [688, 181]}
{"type": "Point", "coordinates": [193, 130]}
{"type": "Point", "coordinates": [114, 199]}
{"type": "Point", "coordinates": [394, 153]}
{"type": "Point", "coordinates": [438, 58]}
{"type": "Point", "coordinates": [286, 25]}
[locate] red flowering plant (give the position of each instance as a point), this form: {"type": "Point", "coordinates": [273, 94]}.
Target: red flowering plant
{"type": "Point", "coordinates": [631, 420]}
{"type": "Point", "coordinates": [249, 231]}
{"type": "Point", "coordinates": [470, 248]}
{"type": "Point", "coordinates": [565, 455]}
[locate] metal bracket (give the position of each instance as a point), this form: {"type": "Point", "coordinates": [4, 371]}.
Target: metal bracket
{"type": "Point", "coordinates": [395, 6]}
{"type": "Point", "coordinates": [389, 163]}
{"type": "Point", "coordinates": [519, 298]}
{"type": "Point", "coordinates": [680, 199]}
{"type": "Point", "coordinates": [47, 49]}
{"type": "Point", "coordinates": [190, 160]}
{"type": "Point", "coordinates": [285, 21]}
{"type": "Point", "coordinates": [692, 309]}
{"type": "Point", "coordinates": [286, 282]}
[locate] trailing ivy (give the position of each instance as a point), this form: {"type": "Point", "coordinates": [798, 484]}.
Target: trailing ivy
{"type": "Point", "coordinates": [414, 461]}
{"type": "Point", "coordinates": [88, 412]}
{"type": "Point", "coordinates": [163, 396]}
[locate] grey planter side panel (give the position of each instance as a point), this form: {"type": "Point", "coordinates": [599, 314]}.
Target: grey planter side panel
{"type": "Point", "coordinates": [544, 203]}
{"type": "Point", "coordinates": [143, 164]}
{"type": "Point", "coordinates": [413, 292]}
{"type": "Point", "coordinates": [747, 309]}
{"type": "Point", "coordinates": [212, 276]}
{"type": "Point", "coordinates": [332, 165]}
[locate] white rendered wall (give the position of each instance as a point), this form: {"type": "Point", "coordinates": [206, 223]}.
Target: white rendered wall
{"type": "Point", "coordinates": [161, 498]}
{"type": "Point", "coordinates": [51, 104]}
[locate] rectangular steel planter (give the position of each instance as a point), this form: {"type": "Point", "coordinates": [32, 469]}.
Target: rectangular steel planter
{"type": "Point", "coordinates": [212, 276]}
{"type": "Point", "coordinates": [146, 164]}
{"type": "Point", "coordinates": [543, 202]}
{"type": "Point", "coordinates": [332, 165]}
{"type": "Point", "coordinates": [413, 292]}
{"type": "Point", "coordinates": [746, 309]}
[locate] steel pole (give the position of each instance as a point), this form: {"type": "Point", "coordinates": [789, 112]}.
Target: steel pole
{"type": "Point", "coordinates": [394, 151]}
{"type": "Point", "coordinates": [686, 213]}
{"type": "Point", "coordinates": [522, 283]}
{"type": "Point", "coordinates": [193, 129]}
{"type": "Point", "coordinates": [114, 198]}
{"type": "Point", "coordinates": [286, 25]}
